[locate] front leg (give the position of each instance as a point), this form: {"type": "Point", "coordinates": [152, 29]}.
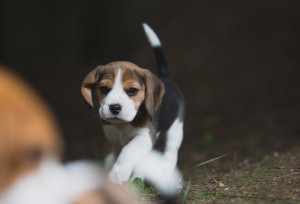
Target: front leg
{"type": "Point", "coordinates": [130, 155]}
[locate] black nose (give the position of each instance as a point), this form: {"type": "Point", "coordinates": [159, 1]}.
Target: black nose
{"type": "Point", "coordinates": [115, 108]}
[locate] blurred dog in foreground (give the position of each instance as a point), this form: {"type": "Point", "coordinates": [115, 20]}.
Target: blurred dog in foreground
{"type": "Point", "coordinates": [30, 149]}
{"type": "Point", "coordinates": [136, 109]}
{"type": "Point", "coordinates": [28, 132]}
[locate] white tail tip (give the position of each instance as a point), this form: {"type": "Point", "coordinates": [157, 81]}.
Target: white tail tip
{"type": "Point", "coordinates": [151, 35]}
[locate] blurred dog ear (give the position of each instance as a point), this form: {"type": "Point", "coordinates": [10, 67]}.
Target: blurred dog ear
{"type": "Point", "coordinates": [28, 129]}
{"type": "Point", "coordinates": [88, 83]}
{"type": "Point", "coordinates": [155, 91]}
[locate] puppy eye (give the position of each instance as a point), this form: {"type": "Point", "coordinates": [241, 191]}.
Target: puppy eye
{"type": "Point", "coordinates": [132, 91]}
{"type": "Point", "coordinates": [104, 90]}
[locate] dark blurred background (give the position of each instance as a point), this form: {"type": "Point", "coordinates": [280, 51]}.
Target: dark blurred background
{"type": "Point", "coordinates": [237, 63]}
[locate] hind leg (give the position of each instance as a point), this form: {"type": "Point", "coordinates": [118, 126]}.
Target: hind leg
{"type": "Point", "coordinates": [161, 169]}
{"type": "Point", "coordinates": [174, 137]}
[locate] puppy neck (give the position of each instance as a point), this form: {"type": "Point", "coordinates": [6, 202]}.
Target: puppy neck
{"type": "Point", "coordinates": [121, 134]}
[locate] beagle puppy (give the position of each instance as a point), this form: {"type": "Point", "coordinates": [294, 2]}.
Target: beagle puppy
{"type": "Point", "coordinates": [30, 149]}
{"type": "Point", "coordinates": [28, 131]}
{"type": "Point", "coordinates": [136, 109]}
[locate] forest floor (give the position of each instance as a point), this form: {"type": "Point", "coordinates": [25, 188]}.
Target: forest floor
{"type": "Point", "coordinates": [275, 178]}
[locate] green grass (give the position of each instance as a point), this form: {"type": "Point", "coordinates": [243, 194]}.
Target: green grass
{"type": "Point", "coordinates": [186, 191]}
{"type": "Point", "coordinates": [208, 195]}
{"type": "Point", "coordinates": [211, 160]}
{"type": "Point", "coordinates": [208, 140]}
{"type": "Point", "coordinates": [141, 188]}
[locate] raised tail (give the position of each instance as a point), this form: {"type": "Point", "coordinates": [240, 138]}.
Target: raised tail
{"type": "Point", "coordinates": [163, 71]}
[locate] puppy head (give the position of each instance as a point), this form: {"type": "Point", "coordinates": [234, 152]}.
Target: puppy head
{"type": "Point", "coordinates": [121, 90]}
{"type": "Point", "coordinates": [28, 132]}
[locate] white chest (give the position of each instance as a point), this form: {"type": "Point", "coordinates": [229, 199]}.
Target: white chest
{"type": "Point", "coordinates": [121, 134]}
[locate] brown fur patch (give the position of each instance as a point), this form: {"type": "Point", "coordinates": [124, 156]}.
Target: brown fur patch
{"type": "Point", "coordinates": [151, 89]}
{"type": "Point", "coordinates": [107, 80]}
{"type": "Point", "coordinates": [154, 91]}
{"type": "Point", "coordinates": [108, 193]}
{"type": "Point", "coordinates": [91, 197]}
{"type": "Point", "coordinates": [28, 131]}
{"type": "Point", "coordinates": [132, 80]}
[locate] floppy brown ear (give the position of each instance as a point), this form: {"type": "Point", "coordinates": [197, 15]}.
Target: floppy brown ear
{"type": "Point", "coordinates": [155, 91]}
{"type": "Point", "coordinates": [87, 84]}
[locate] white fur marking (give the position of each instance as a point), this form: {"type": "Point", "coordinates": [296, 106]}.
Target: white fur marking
{"type": "Point", "coordinates": [117, 95]}
{"type": "Point", "coordinates": [131, 153]}
{"type": "Point", "coordinates": [174, 139]}
{"type": "Point", "coordinates": [54, 183]}
{"type": "Point", "coordinates": [160, 169]}
{"type": "Point", "coordinates": [156, 169]}
{"type": "Point", "coordinates": [152, 37]}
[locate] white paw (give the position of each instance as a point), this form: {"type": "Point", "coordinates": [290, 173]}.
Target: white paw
{"type": "Point", "coordinates": [160, 172]}
{"type": "Point", "coordinates": [120, 174]}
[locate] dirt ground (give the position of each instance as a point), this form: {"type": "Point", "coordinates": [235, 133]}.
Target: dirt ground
{"type": "Point", "coordinates": [274, 179]}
